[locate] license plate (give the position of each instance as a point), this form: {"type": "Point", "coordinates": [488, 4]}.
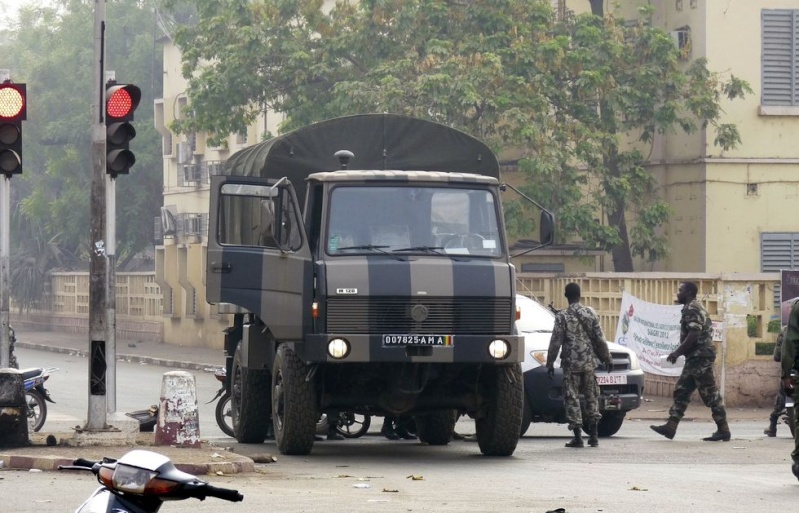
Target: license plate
{"type": "Point", "coordinates": [611, 379]}
{"type": "Point", "coordinates": [417, 340]}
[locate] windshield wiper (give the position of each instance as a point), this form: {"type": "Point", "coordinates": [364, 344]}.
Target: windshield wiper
{"type": "Point", "coordinates": [371, 247]}
{"type": "Point", "coordinates": [425, 249]}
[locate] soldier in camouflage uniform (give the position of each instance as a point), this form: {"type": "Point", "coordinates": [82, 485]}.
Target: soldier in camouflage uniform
{"type": "Point", "coordinates": [579, 338]}
{"type": "Point", "coordinates": [779, 399]}
{"type": "Point", "coordinates": [790, 352]}
{"type": "Point", "coordinates": [696, 344]}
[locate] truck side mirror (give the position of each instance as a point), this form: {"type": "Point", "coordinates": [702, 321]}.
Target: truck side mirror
{"type": "Point", "coordinates": [547, 227]}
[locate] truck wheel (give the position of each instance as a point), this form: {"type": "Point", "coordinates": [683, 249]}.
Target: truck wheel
{"type": "Point", "coordinates": [527, 417]}
{"type": "Point", "coordinates": [293, 404]}
{"type": "Point", "coordinates": [498, 430]}
{"type": "Point", "coordinates": [610, 423]}
{"type": "Point", "coordinates": [249, 404]}
{"type": "Point", "coordinates": [437, 427]}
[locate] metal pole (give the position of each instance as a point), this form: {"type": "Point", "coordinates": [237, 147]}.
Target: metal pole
{"type": "Point", "coordinates": [98, 263]}
{"type": "Point", "coordinates": [5, 215]}
{"type": "Point", "coordinates": [111, 296]}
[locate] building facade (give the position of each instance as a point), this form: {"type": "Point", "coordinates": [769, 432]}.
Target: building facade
{"type": "Point", "coordinates": [733, 211]}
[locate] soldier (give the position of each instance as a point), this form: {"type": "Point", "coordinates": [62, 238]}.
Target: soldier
{"type": "Point", "coordinates": [790, 351]}
{"type": "Point", "coordinates": [779, 398]}
{"type": "Point", "coordinates": [578, 333]}
{"type": "Point", "coordinates": [696, 344]}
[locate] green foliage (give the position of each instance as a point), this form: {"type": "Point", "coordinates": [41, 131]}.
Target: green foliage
{"type": "Point", "coordinates": [52, 50]}
{"type": "Point", "coordinates": [571, 94]}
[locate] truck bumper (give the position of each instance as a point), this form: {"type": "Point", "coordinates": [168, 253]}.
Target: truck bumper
{"type": "Point", "coordinates": [370, 348]}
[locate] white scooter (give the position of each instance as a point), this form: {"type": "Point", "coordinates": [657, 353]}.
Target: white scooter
{"type": "Point", "coordinates": [140, 482]}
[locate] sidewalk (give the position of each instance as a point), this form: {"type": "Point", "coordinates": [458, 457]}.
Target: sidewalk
{"type": "Point", "coordinates": [130, 350]}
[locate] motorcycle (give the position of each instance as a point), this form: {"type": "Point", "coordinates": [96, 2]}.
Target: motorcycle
{"type": "Point", "coordinates": [36, 396]}
{"type": "Point", "coordinates": [224, 419]}
{"type": "Point", "coordinates": [140, 482]}
{"type": "Point", "coordinates": [350, 425]}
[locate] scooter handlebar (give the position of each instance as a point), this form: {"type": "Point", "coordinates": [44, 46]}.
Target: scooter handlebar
{"type": "Point", "coordinates": [226, 494]}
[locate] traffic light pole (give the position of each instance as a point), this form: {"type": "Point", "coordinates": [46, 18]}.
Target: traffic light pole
{"type": "Point", "coordinates": [98, 262]}
{"type": "Point", "coordinates": [5, 226]}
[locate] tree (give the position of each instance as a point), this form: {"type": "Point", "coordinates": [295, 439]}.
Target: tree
{"type": "Point", "coordinates": [569, 92]}
{"type": "Point", "coordinates": [51, 48]}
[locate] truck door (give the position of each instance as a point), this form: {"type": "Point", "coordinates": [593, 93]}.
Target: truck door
{"type": "Point", "coordinates": [258, 255]}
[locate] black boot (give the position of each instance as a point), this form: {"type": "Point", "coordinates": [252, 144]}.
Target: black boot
{"type": "Point", "coordinates": [771, 430]}
{"type": "Point", "coordinates": [577, 441]}
{"type": "Point", "coordinates": [388, 429]}
{"type": "Point", "coordinates": [669, 429]}
{"type": "Point", "coordinates": [593, 434]}
{"type": "Point", "coordinates": [722, 433]}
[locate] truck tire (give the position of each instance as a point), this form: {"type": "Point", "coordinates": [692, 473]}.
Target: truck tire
{"type": "Point", "coordinates": [249, 404]}
{"type": "Point", "coordinates": [436, 427]}
{"type": "Point", "coordinates": [609, 424]}
{"type": "Point", "coordinates": [293, 404]}
{"type": "Point", "coordinates": [498, 430]}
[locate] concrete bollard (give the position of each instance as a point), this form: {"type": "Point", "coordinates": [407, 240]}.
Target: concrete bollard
{"type": "Point", "coordinates": [178, 417]}
{"type": "Point", "coordinates": [13, 409]}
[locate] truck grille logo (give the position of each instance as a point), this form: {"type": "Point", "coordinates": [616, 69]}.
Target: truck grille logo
{"type": "Point", "coordinates": [419, 313]}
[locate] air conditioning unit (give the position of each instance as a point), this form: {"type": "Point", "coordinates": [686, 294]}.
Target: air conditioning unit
{"type": "Point", "coordinates": [184, 152]}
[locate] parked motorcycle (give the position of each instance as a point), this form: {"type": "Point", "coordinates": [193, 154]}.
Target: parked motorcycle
{"type": "Point", "coordinates": [36, 396]}
{"type": "Point", "coordinates": [224, 419]}
{"type": "Point", "coordinates": [140, 482]}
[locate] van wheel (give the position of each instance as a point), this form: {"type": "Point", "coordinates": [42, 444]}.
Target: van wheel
{"type": "Point", "coordinates": [527, 417]}
{"type": "Point", "coordinates": [437, 427]}
{"type": "Point", "coordinates": [498, 430]}
{"type": "Point", "coordinates": [249, 402]}
{"type": "Point", "coordinates": [293, 404]}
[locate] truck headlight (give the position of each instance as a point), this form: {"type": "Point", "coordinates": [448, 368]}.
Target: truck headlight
{"type": "Point", "coordinates": [498, 349]}
{"type": "Point", "coordinates": [338, 348]}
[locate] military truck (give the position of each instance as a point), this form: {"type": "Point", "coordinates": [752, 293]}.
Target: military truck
{"type": "Point", "coordinates": [382, 285]}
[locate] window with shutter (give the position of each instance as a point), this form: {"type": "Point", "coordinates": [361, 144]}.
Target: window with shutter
{"type": "Point", "coordinates": [778, 250]}
{"type": "Point", "coordinates": [780, 57]}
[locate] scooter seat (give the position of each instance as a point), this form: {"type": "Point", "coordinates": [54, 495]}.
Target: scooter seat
{"type": "Point", "coordinates": [29, 373]}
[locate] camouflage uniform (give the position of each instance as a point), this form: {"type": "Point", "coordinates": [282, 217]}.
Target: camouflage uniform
{"type": "Point", "coordinates": [790, 350]}
{"type": "Point", "coordinates": [779, 399]}
{"type": "Point", "coordinates": [697, 374]}
{"type": "Point", "coordinates": [576, 331]}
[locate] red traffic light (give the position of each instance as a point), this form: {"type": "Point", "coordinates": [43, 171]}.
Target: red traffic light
{"type": "Point", "coordinates": [13, 106]}
{"type": "Point", "coordinates": [121, 101]}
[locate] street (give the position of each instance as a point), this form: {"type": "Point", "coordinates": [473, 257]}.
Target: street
{"type": "Point", "coordinates": [633, 471]}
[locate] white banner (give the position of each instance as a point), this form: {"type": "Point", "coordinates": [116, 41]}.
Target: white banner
{"type": "Point", "coordinates": [652, 331]}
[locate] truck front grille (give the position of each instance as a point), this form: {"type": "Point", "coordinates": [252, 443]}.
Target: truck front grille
{"type": "Point", "coordinates": [424, 315]}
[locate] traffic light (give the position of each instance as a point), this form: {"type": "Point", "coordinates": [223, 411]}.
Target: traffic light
{"type": "Point", "coordinates": [13, 109]}
{"type": "Point", "coordinates": [121, 101]}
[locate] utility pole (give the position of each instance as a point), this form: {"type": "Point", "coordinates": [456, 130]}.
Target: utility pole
{"type": "Point", "coordinates": [98, 264]}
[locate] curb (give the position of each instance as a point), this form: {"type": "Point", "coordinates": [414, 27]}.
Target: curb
{"type": "Point", "coordinates": [130, 358]}
{"type": "Point", "coordinates": [50, 463]}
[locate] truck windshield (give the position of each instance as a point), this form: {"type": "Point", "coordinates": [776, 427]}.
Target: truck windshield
{"type": "Point", "coordinates": [413, 219]}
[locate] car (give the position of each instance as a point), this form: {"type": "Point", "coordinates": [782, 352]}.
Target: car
{"type": "Point", "coordinates": [621, 390]}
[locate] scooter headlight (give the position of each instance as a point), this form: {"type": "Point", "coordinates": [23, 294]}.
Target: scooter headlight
{"type": "Point", "coordinates": [130, 479]}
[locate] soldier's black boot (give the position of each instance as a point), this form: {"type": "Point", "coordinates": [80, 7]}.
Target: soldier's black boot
{"type": "Point", "coordinates": [388, 429]}
{"type": "Point", "coordinates": [577, 441]}
{"type": "Point", "coordinates": [593, 434]}
{"type": "Point", "coordinates": [722, 433]}
{"type": "Point", "coordinates": [795, 469]}
{"type": "Point", "coordinates": [771, 430]}
{"type": "Point", "coordinates": [669, 429]}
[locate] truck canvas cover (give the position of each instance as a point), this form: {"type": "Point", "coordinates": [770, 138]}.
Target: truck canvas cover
{"type": "Point", "coordinates": [379, 142]}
